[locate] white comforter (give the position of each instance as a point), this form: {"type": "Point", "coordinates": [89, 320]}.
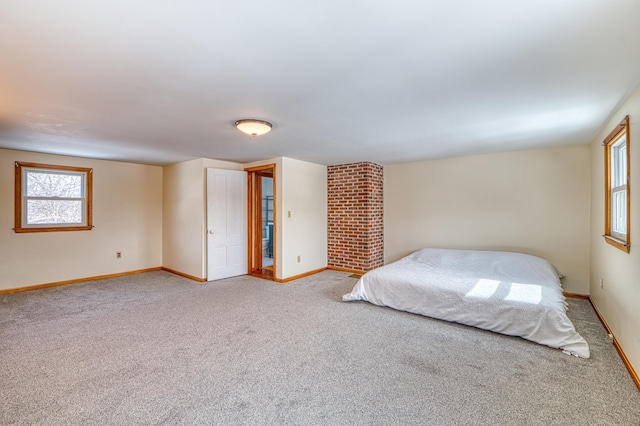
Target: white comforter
{"type": "Point", "coordinates": [509, 293]}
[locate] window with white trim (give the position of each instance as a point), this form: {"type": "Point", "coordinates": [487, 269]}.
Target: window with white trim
{"type": "Point", "coordinates": [52, 198]}
{"type": "Point", "coordinates": [617, 218]}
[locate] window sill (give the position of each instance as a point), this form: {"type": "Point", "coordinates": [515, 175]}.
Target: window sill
{"type": "Point", "coordinates": [619, 244]}
{"type": "Point", "coordinates": [53, 229]}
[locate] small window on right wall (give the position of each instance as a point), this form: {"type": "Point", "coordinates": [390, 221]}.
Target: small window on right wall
{"type": "Point", "coordinates": [617, 194]}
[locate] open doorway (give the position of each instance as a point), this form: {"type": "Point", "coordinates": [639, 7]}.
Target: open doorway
{"type": "Point", "coordinates": [262, 226]}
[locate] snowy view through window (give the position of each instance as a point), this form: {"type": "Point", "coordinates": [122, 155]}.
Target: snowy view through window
{"type": "Point", "coordinates": [54, 198]}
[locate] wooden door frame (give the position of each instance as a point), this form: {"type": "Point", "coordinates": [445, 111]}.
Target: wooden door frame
{"type": "Point", "coordinates": [254, 192]}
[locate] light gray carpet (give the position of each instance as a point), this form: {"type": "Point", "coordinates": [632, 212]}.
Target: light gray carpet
{"type": "Point", "coordinates": [156, 348]}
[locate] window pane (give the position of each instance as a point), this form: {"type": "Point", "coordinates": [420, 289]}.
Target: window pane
{"type": "Point", "coordinates": [619, 162]}
{"type": "Point", "coordinates": [54, 211]}
{"type": "Point", "coordinates": [44, 184]}
{"type": "Point", "coordinates": [622, 164]}
{"type": "Point", "coordinates": [619, 212]}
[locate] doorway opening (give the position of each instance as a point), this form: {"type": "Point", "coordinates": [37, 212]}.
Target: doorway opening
{"type": "Point", "coordinates": [262, 224]}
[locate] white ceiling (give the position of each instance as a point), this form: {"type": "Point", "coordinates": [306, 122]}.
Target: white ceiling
{"type": "Point", "coordinates": [159, 82]}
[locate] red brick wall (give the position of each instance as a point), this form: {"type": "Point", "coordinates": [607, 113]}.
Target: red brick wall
{"type": "Point", "coordinates": [355, 208]}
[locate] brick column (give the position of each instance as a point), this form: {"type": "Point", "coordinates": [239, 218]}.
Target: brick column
{"type": "Point", "coordinates": [355, 222]}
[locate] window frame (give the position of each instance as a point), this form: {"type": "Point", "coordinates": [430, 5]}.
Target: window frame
{"type": "Point", "coordinates": [20, 198]}
{"type": "Point", "coordinates": [610, 236]}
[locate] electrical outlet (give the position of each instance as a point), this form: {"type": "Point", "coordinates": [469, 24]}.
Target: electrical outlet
{"type": "Point", "coordinates": [601, 282]}
{"type": "Point", "coordinates": [118, 255]}
{"type": "Point", "coordinates": [298, 258]}
{"type": "Point", "coordinates": [610, 336]}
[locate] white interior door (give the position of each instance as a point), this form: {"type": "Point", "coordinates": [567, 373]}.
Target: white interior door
{"type": "Point", "coordinates": [226, 223]}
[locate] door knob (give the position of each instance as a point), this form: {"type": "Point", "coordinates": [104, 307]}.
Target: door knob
{"type": "Point", "coordinates": [211, 231]}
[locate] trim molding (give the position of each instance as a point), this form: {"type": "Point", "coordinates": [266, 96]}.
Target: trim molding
{"type": "Point", "coordinates": [182, 274]}
{"type": "Point", "coordinates": [351, 271]}
{"type": "Point", "coordinates": [78, 280]}
{"type": "Point", "coordinates": [623, 356]}
{"type": "Point", "coordinates": [296, 277]}
{"type": "Point", "coordinates": [576, 295]}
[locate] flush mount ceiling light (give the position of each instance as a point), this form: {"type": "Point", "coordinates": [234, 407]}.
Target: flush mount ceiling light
{"type": "Point", "coordinates": [253, 127]}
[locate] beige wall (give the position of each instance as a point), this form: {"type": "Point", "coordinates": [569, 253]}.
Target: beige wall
{"type": "Point", "coordinates": [156, 217]}
{"type": "Point", "coordinates": [534, 202]}
{"type": "Point", "coordinates": [301, 188]}
{"type": "Point", "coordinates": [304, 194]}
{"type": "Point", "coordinates": [127, 215]}
{"type": "Point", "coordinates": [619, 300]}
{"type": "Point", "coordinates": [184, 211]}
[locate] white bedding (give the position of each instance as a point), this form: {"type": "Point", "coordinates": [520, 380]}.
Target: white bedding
{"type": "Point", "coordinates": [509, 293]}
